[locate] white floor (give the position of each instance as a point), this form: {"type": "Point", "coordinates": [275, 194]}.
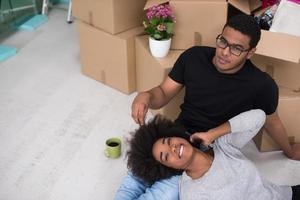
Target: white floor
{"type": "Point", "coordinates": [54, 121]}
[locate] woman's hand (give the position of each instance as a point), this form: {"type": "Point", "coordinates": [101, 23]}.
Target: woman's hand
{"type": "Point", "coordinates": [204, 138]}
{"type": "Point", "coordinates": [207, 138]}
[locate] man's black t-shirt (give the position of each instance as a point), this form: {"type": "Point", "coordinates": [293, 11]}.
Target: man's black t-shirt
{"type": "Point", "coordinates": [212, 98]}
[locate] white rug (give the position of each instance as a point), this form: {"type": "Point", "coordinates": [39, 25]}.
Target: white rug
{"type": "Point", "coordinates": [54, 121]}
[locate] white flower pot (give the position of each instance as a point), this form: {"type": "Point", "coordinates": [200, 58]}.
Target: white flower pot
{"type": "Point", "coordinates": [159, 48]}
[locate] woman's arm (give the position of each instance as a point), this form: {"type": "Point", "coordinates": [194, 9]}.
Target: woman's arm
{"type": "Point", "coordinates": [245, 126]}
{"type": "Point", "coordinates": [242, 127]}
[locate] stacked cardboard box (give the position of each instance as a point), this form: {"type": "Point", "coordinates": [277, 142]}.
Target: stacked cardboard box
{"type": "Point", "coordinates": [107, 29]}
{"type": "Point", "coordinates": [196, 24]}
{"type": "Point", "coordinates": [286, 74]}
{"type": "Point", "coordinates": [278, 54]}
{"type": "Point", "coordinates": [289, 112]}
{"type": "Point", "coordinates": [152, 71]}
{"type": "Point", "coordinates": [108, 58]}
{"type": "Point", "coordinates": [112, 16]}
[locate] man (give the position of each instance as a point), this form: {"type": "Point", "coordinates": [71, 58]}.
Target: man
{"type": "Point", "coordinates": [219, 84]}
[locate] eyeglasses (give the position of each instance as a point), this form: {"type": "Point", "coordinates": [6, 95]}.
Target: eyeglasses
{"type": "Point", "coordinates": [234, 49]}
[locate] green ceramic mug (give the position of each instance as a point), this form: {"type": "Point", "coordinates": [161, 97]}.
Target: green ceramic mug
{"type": "Point", "coordinates": [113, 147]}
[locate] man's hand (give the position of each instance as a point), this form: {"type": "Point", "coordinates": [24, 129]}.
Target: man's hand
{"type": "Point", "coordinates": [295, 154]}
{"type": "Point", "coordinates": [276, 130]}
{"type": "Point", "coordinates": [140, 107]}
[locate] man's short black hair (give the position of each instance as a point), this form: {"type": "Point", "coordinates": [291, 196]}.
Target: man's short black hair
{"type": "Point", "coordinates": [140, 158]}
{"type": "Point", "coordinates": [247, 25]}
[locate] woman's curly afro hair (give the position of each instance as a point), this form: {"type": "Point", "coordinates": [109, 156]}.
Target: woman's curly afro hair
{"type": "Point", "coordinates": [140, 158]}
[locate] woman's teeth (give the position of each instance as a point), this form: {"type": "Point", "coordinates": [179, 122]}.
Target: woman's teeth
{"type": "Point", "coordinates": [180, 151]}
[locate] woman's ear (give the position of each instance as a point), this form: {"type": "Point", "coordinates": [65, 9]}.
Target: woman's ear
{"type": "Point", "coordinates": [251, 53]}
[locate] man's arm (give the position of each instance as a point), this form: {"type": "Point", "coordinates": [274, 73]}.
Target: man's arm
{"type": "Point", "coordinates": [155, 98]}
{"type": "Point", "coordinates": [276, 130]}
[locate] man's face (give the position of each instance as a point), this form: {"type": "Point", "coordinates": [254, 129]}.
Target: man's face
{"type": "Point", "coordinates": [224, 60]}
{"type": "Point", "coordinates": [174, 152]}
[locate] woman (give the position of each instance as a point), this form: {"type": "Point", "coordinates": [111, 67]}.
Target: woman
{"type": "Point", "coordinates": [159, 150]}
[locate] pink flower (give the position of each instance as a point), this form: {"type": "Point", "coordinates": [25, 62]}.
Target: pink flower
{"type": "Point", "coordinates": [160, 11]}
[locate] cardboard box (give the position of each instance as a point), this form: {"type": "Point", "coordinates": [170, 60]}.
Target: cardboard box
{"type": "Point", "coordinates": [108, 58]}
{"type": "Point", "coordinates": [285, 73]}
{"type": "Point", "coordinates": [245, 6]}
{"type": "Point", "coordinates": [113, 16]}
{"type": "Point", "coordinates": [272, 44]}
{"type": "Point", "coordinates": [289, 112]}
{"type": "Point", "coordinates": [279, 45]}
{"type": "Point", "coordinates": [263, 63]}
{"type": "Point", "coordinates": [198, 22]}
{"type": "Point", "coordinates": [151, 3]}
{"type": "Point", "coordinates": [152, 71]}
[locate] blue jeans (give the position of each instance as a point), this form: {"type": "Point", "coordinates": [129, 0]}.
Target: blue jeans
{"type": "Point", "coordinates": [134, 188]}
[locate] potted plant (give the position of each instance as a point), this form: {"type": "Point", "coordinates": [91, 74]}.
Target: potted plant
{"type": "Point", "coordinates": [159, 26]}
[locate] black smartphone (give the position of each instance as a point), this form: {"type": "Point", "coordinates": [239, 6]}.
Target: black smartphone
{"type": "Point", "coordinates": [198, 143]}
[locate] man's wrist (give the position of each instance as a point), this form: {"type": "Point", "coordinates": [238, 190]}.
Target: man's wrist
{"type": "Point", "coordinates": [146, 95]}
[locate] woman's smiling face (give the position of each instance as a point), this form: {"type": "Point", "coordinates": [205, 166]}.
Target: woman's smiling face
{"type": "Point", "coordinates": [174, 152]}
